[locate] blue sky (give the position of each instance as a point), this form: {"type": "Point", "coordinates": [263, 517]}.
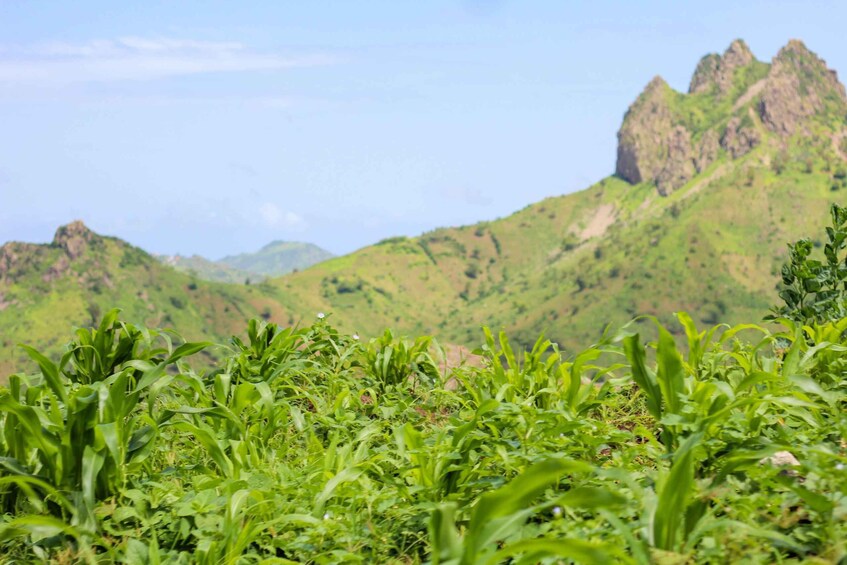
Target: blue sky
{"type": "Point", "coordinates": [215, 127]}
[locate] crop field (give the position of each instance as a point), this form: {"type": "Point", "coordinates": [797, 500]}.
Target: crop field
{"type": "Point", "coordinates": [310, 446]}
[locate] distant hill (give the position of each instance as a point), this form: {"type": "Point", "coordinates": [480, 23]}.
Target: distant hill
{"type": "Point", "coordinates": [278, 258]}
{"type": "Point", "coordinates": [207, 269]}
{"type": "Point", "coordinates": [275, 259]}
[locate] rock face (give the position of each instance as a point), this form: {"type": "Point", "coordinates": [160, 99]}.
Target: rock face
{"type": "Point", "coordinates": [739, 138]}
{"type": "Point", "coordinates": [715, 73]}
{"type": "Point", "coordinates": [707, 150]}
{"type": "Point", "coordinates": [74, 238]}
{"type": "Point", "coordinates": [798, 86]}
{"type": "Point", "coordinates": [733, 104]}
{"type": "Point", "coordinates": [679, 164]}
{"type": "Point", "coordinates": [642, 140]}
{"type": "Point", "coordinates": [651, 146]}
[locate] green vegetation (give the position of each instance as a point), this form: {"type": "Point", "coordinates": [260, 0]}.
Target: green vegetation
{"type": "Point", "coordinates": [48, 290]}
{"type": "Point", "coordinates": [671, 439]}
{"type": "Point", "coordinates": [306, 445]}
{"type": "Point", "coordinates": [817, 290]}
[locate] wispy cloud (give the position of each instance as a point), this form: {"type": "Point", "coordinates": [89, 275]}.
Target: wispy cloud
{"type": "Point", "coordinates": [274, 217]}
{"type": "Point", "coordinates": [138, 59]}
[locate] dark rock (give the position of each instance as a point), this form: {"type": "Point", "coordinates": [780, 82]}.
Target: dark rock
{"type": "Point", "coordinates": [643, 137]}
{"type": "Point", "coordinates": [74, 238]}
{"type": "Point", "coordinates": [679, 166]}
{"type": "Point", "coordinates": [707, 150]}
{"type": "Point", "coordinates": [739, 139]}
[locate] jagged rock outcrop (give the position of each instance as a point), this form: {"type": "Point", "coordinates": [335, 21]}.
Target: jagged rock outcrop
{"type": "Point", "coordinates": [707, 150]}
{"type": "Point", "coordinates": [655, 141]}
{"type": "Point", "coordinates": [799, 85]}
{"type": "Point", "coordinates": [651, 147]}
{"type": "Point", "coordinates": [643, 138]}
{"type": "Point", "coordinates": [739, 138]}
{"type": "Point", "coordinates": [715, 73]}
{"type": "Point", "coordinates": [667, 138]}
{"type": "Point", "coordinates": [74, 238]}
{"type": "Point", "coordinates": [679, 164]}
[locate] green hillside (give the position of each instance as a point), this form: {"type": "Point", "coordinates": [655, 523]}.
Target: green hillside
{"type": "Point", "coordinates": [710, 186]}
{"type": "Point", "coordinates": [47, 290]}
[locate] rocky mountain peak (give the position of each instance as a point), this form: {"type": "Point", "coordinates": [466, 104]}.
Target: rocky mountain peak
{"type": "Point", "coordinates": [734, 103]}
{"type": "Point", "coordinates": [799, 85]}
{"type": "Point", "coordinates": [74, 238]}
{"type": "Point", "coordinates": [641, 139]}
{"type": "Point", "coordinates": [716, 73]}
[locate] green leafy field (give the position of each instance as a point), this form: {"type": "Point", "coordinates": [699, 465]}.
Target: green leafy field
{"type": "Point", "coordinates": [307, 445]}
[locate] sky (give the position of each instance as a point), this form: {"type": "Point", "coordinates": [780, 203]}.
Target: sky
{"type": "Point", "coordinates": [217, 127]}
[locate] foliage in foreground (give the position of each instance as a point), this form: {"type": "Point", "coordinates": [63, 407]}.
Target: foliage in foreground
{"type": "Point", "coordinates": [816, 290]}
{"type": "Point", "coordinates": [306, 445]}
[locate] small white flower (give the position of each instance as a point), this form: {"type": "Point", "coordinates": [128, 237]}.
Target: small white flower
{"type": "Point", "coordinates": [839, 467]}
{"type": "Point", "coordinates": [321, 315]}
{"type": "Point", "coordinates": [326, 516]}
{"type": "Point", "coordinates": [557, 511]}
{"type": "Point", "coordinates": [356, 337]}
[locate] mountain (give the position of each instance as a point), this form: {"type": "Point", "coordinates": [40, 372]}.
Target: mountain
{"type": "Point", "coordinates": [47, 290]}
{"type": "Point", "coordinates": [278, 258]}
{"type": "Point", "coordinates": [708, 188]}
{"type": "Point", "coordinates": [207, 269]}
{"type": "Point", "coordinates": [275, 259]}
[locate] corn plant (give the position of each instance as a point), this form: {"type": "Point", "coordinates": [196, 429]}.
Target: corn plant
{"type": "Point", "coordinates": [392, 362]}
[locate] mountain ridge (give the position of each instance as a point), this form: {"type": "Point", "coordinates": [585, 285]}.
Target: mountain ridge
{"type": "Point", "coordinates": [713, 184]}
{"type": "Point", "coordinates": [273, 259]}
{"type": "Point", "coordinates": [710, 186]}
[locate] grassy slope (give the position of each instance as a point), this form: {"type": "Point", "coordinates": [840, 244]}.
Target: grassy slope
{"type": "Point", "coordinates": [712, 248]}
{"type": "Point", "coordinates": [110, 274]}
{"type": "Point", "coordinates": [566, 266]}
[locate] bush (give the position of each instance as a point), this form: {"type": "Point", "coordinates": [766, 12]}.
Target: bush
{"type": "Point", "coordinates": [815, 290]}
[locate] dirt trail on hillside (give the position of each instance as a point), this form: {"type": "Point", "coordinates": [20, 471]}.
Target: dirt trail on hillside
{"type": "Point", "coordinates": [754, 89]}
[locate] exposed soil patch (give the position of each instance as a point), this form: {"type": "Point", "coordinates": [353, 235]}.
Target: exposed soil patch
{"type": "Point", "coordinates": [603, 217]}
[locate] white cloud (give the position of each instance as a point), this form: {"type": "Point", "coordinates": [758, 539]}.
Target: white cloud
{"type": "Point", "coordinates": [274, 217]}
{"type": "Point", "coordinates": [137, 58]}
